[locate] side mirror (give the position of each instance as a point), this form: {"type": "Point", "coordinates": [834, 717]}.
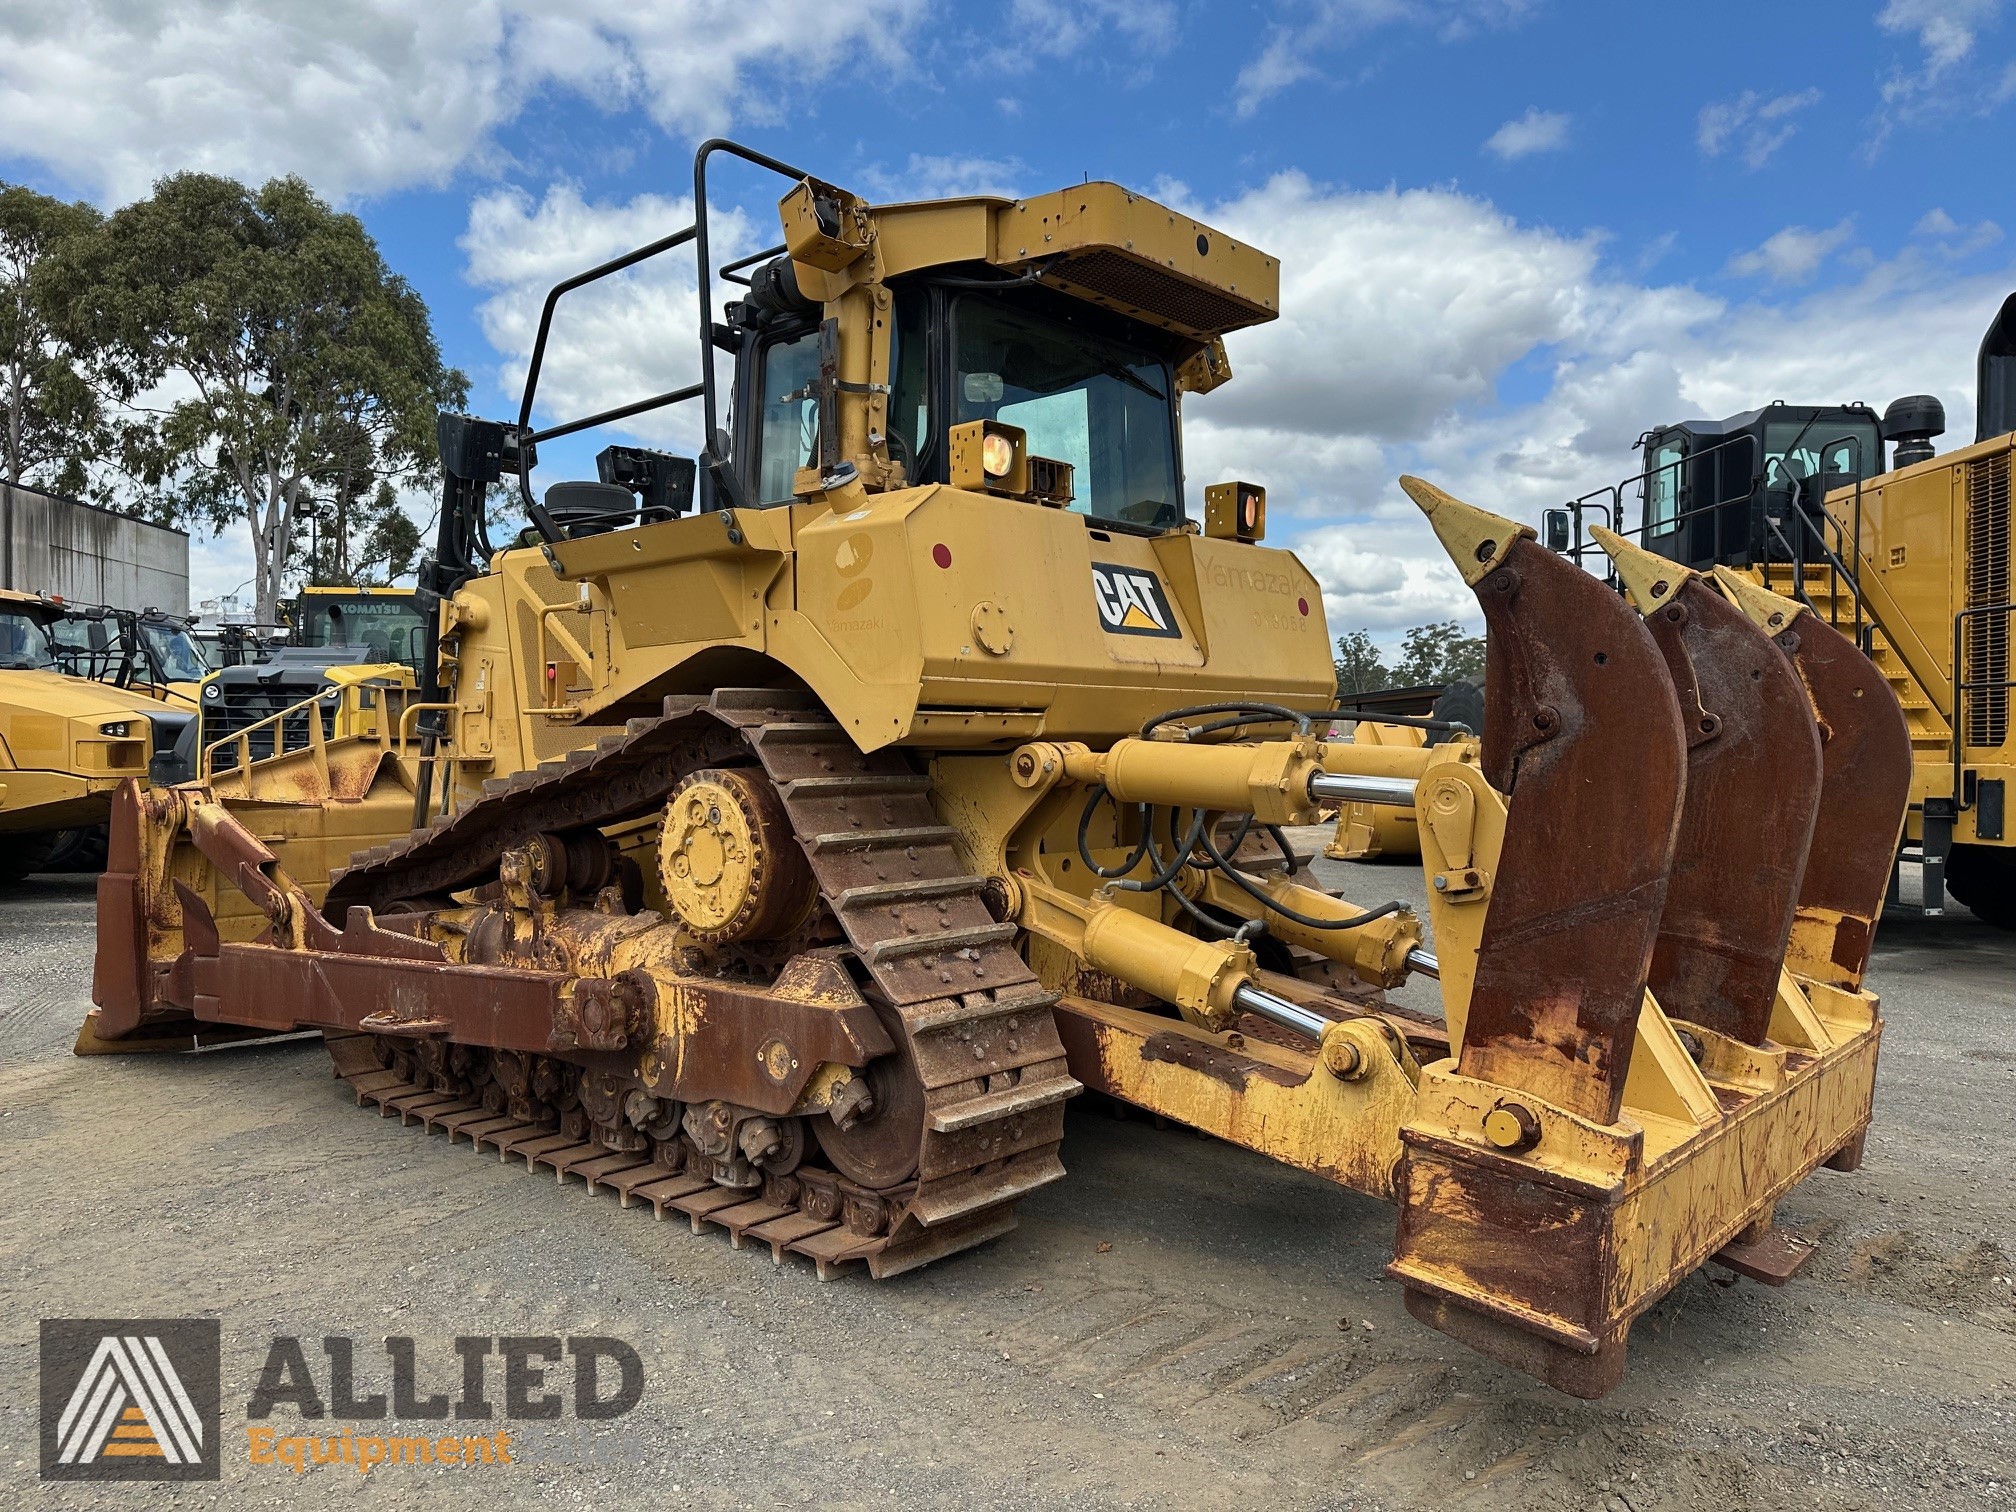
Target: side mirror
{"type": "Point", "coordinates": [1554, 529]}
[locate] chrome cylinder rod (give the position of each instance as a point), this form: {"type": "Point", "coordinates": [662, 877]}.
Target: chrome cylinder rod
{"type": "Point", "coordinates": [1419, 960]}
{"type": "Point", "coordinates": [1340, 787]}
{"type": "Point", "coordinates": [1278, 1010]}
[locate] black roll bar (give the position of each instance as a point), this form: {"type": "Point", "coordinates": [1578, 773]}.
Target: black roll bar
{"type": "Point", "coordinates": [704, 390]}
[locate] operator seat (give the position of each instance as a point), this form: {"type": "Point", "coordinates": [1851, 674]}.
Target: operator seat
{"type": "Point", "coordinates": [593, 508]}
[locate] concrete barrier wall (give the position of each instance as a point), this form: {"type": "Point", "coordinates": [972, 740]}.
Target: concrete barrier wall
{"type": "Point", "coordinates": [94, 556]}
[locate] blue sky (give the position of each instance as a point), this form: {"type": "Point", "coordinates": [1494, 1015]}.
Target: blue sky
{"type": "Point", "coordinates": [1515, 233]}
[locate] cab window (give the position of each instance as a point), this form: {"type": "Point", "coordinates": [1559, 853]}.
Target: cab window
{"type": "Point", "coordinates": [23, 643]}
{"type": "Point", "coordinates": [1794, 452]}
{"type": "Point", "coordinates": [789, 415]}
{"type": "Point", "coordinates": [1084, 397]}
{"type": "Point", "coordinates": [1662, 488]}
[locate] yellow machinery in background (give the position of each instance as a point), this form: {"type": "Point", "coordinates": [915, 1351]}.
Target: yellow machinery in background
{"type": "Point", "coordinates": [349, 652]}
{"type": "Point", "coordinates": [1913, 564]}
{"type": "Point", "coordinates": [1411, 717]}
{"type": "Point", "coordinates": [388, 625]}
{"type": "Point", "coordinates": [1374, 831]}
{"type": "Point", "coordinates": [66, 741]}
{"type": "Point", "coordinates": [783, 836]}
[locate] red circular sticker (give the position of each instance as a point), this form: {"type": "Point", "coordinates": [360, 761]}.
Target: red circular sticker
{"type": "Point", "coordinates": [1302, 606]}
{"type": "Point", "coordinates": [942, 554]}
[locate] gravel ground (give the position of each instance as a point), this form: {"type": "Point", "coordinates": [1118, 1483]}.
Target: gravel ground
{"type": "Point", "coordinates": [1179, 1322]}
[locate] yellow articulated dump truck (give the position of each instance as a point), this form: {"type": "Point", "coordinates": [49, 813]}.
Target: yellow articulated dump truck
{"type": "Point", "coordinates": [785, 834]}
{"type": "Point", "coordinates": [66, 741]}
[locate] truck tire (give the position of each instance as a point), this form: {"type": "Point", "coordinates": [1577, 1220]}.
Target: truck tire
{"type": "Point", "coordinates": [1983, 877]}
{"type": "Point", "coordinates": [79, 850]}
{"type": "Point", "coordinates": [1461, 702]}
{"type": "Point", "coordinates": [24, 854]}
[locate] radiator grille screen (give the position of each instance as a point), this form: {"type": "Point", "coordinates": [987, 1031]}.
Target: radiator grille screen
{"type": "Point", "coordinates": [1987, 635]}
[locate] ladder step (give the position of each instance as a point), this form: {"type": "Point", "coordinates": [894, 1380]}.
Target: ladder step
{"type": "Point", "coordinates": [937, 940]}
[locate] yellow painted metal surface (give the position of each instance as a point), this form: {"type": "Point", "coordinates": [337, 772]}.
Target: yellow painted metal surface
{"type": "Point", "coordinates": [58, 766]}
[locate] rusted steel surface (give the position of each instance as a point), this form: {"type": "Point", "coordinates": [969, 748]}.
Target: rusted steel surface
{"type": "Point", "coordinates": [1583, 734]}
{"type": "Point", "coordinates": [1587, 1374]}
{"type": "Point", "coordinates": [1773, 1257]}
{"type": "Point", "coordinates": [121, 979]}
{"type": "Point", "coordinates": [1865, 787]}
{"type": "Point", "coordinates": [1753, 790]}
{"type": "Point", "coordinates": [962, 1113]}
{"type": "Point", "coordinates": [277, 989]}
{"type": "Point", "coordinates": [1545, 1266]}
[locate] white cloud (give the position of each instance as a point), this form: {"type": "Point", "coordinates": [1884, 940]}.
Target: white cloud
{"type": "Point", "coordinates": [1945, 29]}
{"type": "Point", "coordinates": [1793, 255]}
{"type": "Point", "coordinates": [1755, 125]}
{"type": "Point", "coordinates": [1398, 305]}
{"type": "Point", "coordinates": [1946, 32]}
{"type": "Point", "coordinates": [364, 96]}
{"type": "Point", "coordinates": [1311, 28]}
{"type": "Point", "coordinates": [1952, 239]}
{"type": "Point", "coordinates": [1536, 131]}
{"type": "Point", "coordinates": [1388, 360]}
{"type": "Point", "coordinates": [1059, 28]}
{"type": "Point", "coordinates": [932, 177]}
{"type": "Point", "coordinates": [623, 338]}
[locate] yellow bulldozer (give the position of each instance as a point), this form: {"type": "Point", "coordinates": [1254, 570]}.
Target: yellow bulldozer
{"type": "Point", "coordinates": [785, 834]}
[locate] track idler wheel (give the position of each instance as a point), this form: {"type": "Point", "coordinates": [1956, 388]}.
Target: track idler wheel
{"type": "Point", "coordinates": [881, 1146]}
{"type": "Point", "coordinates": [728, 859]}
{"type": "Point", "coordinates": [1582, 734]}
{"type": "Point", "coordinates": [1753, 790]}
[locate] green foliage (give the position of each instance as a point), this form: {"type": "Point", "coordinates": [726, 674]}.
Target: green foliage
{"type": "Point", "coordinates": [1438, 654]}
{"type": "Point", "coordinates": [301, 372]}
{"type": "Point", "coordinates": [363, 542]}
{"type": "Point", "coordinates": [1359, 666]}
{"type": "Point", "coordinates": [52, 425]}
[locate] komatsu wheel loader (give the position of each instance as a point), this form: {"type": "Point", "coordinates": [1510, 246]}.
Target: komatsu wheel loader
{"type": "Point", "coordinates": [787, 832]}
{"type": "Point", "coordinates": [347, 650]}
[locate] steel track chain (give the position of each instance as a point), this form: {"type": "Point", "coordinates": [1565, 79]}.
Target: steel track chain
{"type": "Point", "coordinates": [978, 1026]}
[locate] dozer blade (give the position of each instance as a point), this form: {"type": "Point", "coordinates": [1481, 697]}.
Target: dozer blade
{"type": "Point", "coordinates": [1753, 790]}
{"type": "Point", "coordinates": [1582, 733]}
{"type": "Point", "coordinates": [1865, 784]}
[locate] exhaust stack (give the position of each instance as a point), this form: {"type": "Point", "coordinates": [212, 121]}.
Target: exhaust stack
{"type": "Point", "coordinates": [1995, 376]}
